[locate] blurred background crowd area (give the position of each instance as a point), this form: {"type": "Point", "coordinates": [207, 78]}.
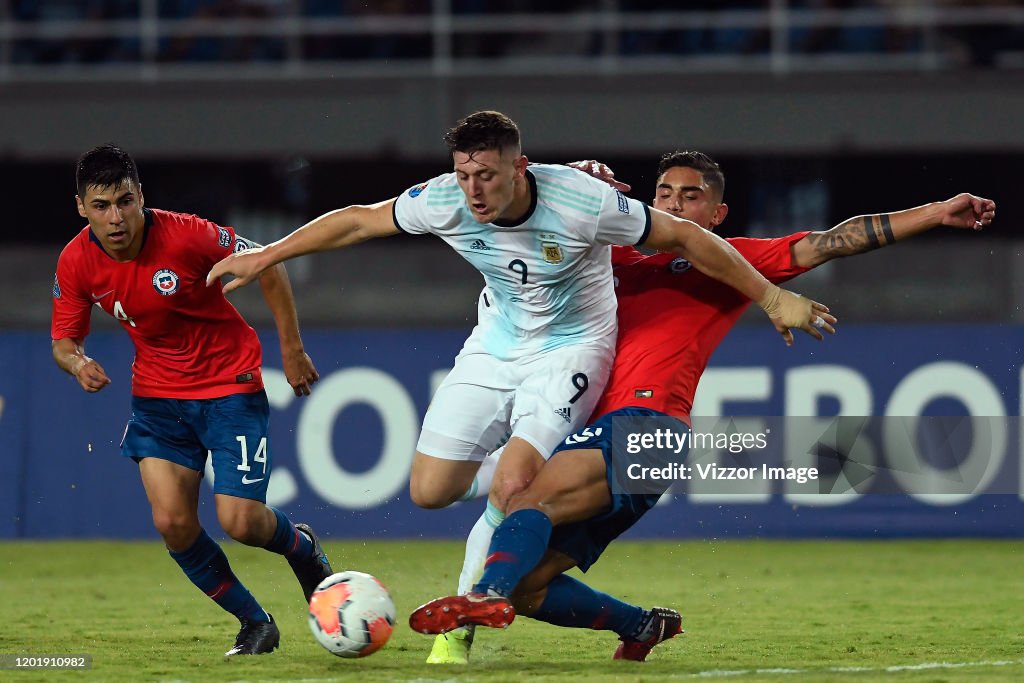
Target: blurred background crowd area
{"type": "Point", "coordinates": [263, 114]}
{"type": "Point", "coordinates": [985, 33]}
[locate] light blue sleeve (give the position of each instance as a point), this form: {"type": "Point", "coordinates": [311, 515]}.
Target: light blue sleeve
{"type": "Point", "coordinates": [623, 220]}
{"type": "Point", "coordinates": [428, 207]}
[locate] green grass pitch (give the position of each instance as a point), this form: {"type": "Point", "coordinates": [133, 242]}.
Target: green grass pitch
{"type": "Point", "coordinates": [753, 610]}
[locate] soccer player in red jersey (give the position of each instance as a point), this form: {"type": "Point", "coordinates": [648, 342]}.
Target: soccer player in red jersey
{"type": "Point", "coordinates": [196, 382]}
{"type": "Point", "coordinates": [571, 511]}
{"type": "Point", "coordinates": [532, 368]}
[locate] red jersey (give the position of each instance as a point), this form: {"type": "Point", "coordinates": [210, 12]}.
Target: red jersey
{"type": "Point", "coordinates": [671, 319]}
{"type": "Point", "coordinates": [190, 343]}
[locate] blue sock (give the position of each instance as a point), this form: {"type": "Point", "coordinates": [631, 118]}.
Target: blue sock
{"type": "Point", "coordinates": [518, 545]}
{"type": "Point", "coordinates": [206, 565]}
{"type": "Point", "coordinates": [574, 604]}
{"type": "Point", "coordinates": [288, 540]}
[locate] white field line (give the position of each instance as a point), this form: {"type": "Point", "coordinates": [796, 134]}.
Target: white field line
{"type": "Point", "coordinates": [924, 666]}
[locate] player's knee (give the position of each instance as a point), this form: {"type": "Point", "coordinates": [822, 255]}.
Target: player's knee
{"type": "Point", "coordinates": [537, 498]}
{"type": "Point", "coordinates": [242, 527]}
{"type": "Point", "coordinates": [178, 529]}
{"type": "Point", "coordinates": [432, 497]}
{"type": "Point", "coordinates": [504, 491]}
{"type": "Point", "coordinates": [523, 500]}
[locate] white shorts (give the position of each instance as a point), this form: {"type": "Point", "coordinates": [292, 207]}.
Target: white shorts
{"type": "Point", "coordinates": [485, 401]}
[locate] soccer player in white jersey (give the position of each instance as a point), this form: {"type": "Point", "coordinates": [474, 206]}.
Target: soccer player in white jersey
{"type": "Point", "coordinates": [536, 363]}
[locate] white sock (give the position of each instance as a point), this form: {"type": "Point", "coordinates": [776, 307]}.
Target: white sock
{"type": "Point", "coordinates": [477, 545]}
{"type": "Point", "coordinates": [481, 485]}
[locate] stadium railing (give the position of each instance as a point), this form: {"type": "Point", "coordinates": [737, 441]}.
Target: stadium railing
{"type": "Point", "coordinates": [280, 40]}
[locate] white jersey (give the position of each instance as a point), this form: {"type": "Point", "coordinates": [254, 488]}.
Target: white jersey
{"type": "Point", "coordinates": [548, 276]}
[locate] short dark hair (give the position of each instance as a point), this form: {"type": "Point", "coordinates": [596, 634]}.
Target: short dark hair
{"type": "Point", "coordinates": [104, 166]}
{"type": "Point", "coordinates": [699, 161]}
{"type": "Point", "coordinates": [483, 130]}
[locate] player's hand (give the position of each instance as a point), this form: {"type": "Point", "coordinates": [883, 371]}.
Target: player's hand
{"type": "Point", "coordinates": [299, 371]}
{"type": "Point", "coordinates": [967, 211]}
{"type": "Point", "coordinates": [90, 375]}
{"type": "Point", "coordinates": [244, 265]}
{"type": "Point", "coordinates": [601, 172]}
{"type": "Point", "coordinates": [788, 310]}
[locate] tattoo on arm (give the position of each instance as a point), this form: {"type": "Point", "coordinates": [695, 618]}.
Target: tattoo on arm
{"type": "Point", "coordinates": [871, 232]}
{"type": "Point", "coordinates": [887, 229]}
{"type": "Point", "coordinates": [854, 236]}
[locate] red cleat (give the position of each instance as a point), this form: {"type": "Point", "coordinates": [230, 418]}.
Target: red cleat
{"type": "Point", "coordinates": [447, 614]}
{"type": "Point", "coordinates": [665, 623]}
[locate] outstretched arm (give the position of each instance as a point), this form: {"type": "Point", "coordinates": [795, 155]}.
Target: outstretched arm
{"type": "Point", "coordinates": [865, 233]}
{"type": "Point", "coordinates": [334, 230]}
{"type": "Point", "coordinates": [70, 356]}
{"type": "Point", "coordinates": [716, 258]}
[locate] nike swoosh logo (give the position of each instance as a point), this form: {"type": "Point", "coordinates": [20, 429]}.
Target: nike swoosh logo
{"type": "Point", "coordinates": [246, 480]}
{"type": "Point", "coordinates": [96, 297]}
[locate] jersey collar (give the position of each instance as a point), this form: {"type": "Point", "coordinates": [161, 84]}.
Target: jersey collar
{"type": "Point", "coordinates": [148, 217]}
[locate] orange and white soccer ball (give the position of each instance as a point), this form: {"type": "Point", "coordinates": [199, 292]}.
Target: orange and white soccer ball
{"type": "Point", "coordinates": [351, 614]}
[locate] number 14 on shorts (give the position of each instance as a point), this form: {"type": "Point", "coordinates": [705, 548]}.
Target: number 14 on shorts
{"type": "Point", "coordinates": [260, 456]}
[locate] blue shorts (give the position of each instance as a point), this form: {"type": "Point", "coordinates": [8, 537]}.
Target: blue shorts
{"type": "Point", "coordinates": [585, 541]}
{"type": "Point", "coordinates": [233, 429]}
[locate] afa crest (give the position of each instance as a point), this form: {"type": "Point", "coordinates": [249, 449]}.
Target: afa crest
{"type": "Point", "coordinates": [552, 252]}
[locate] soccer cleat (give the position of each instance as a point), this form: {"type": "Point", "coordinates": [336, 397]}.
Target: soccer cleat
{"type": "Point", "coordinates": [664, 623]}
{"type": "Point", "coordinates": [256, 638]}
{"type": "Point", "coordinates": [453, 647]}
{"type": "Point", "coordinates": [310, 571]}
{"type": "Point", "coordinates": [447, 614]}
